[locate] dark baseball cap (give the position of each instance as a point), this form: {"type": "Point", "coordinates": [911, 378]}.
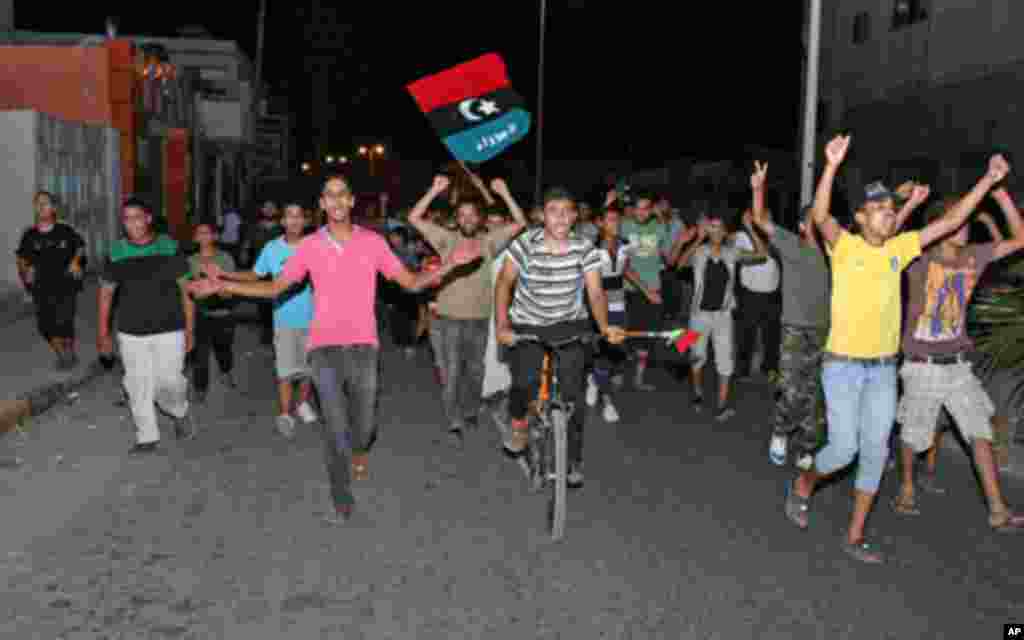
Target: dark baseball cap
{"type": "Point", "coordinates": [875, 192]}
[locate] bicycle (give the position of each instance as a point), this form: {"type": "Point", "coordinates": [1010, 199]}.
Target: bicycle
{"type": "Point", "coordinates": [548, 417]}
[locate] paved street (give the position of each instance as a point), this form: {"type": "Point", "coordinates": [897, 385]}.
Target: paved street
{"type": "Point", "coordinates": [678, 533]}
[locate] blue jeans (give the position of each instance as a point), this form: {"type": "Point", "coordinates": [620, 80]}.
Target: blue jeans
{"type": "Point", "coordinates": [860, 400]}
{"type": "Point", "coordinates": [463, 347]}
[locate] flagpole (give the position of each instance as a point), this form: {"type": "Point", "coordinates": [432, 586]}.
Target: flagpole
{"type": "Point", "coordinates": [539, 165]}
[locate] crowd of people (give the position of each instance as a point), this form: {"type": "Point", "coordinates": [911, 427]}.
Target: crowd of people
{"type": "Point", "coordinates": [462, 274]}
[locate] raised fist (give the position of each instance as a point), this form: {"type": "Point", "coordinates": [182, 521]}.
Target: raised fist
{"type": "Point", "coordinates": [835, 150]}
{"type": "Point", "coordinates": [440, 185]}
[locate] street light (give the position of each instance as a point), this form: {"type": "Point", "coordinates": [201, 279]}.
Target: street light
{"type": "Point", "coordinates": [377, 151]}
{"type": "Point", "coordinates": [305, 167]}
{"type": "Point", "coordinates": [330, 159]}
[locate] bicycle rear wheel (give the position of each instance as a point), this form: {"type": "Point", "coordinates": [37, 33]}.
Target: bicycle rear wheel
{"type": "Point", "coordinates": [557, 450]}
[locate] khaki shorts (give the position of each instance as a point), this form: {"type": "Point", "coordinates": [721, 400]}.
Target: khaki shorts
{"type": "Point", "coordinates": [291, 359]}
{"type": "Point", "coordinates": [716, 326]}
{"type": "Point", "coordinates": [929, 387]}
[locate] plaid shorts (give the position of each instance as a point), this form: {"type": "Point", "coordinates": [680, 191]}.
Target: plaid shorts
{"type": "Point", "coordinates": [927, 388]}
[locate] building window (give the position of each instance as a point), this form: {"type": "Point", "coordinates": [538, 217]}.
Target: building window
{"type": "Point", "coordinates": [908, 12]}
{"type": "Point", "coordinates": [861, 27]}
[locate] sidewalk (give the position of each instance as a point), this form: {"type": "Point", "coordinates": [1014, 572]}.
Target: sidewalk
{"type": "Point", "coordinates": [29, 377]}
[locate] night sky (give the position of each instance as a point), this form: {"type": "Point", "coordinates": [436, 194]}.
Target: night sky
{"type": "Point", "coordinates": [646, 80]}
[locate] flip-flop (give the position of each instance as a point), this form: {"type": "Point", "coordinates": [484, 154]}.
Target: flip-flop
{"type": "Point", "coordinates": [1014, 523]}
{"type": "Point", "coordinates": [905, 505]}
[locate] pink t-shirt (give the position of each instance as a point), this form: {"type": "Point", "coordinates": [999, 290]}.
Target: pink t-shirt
{"type": "Point", "coordinates": [344, 277]}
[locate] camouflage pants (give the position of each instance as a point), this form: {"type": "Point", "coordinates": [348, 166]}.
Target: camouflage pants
{"type": "Point", "coordinates": [800, 405]}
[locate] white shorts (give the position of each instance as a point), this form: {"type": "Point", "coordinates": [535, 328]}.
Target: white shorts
{"type": "Point", "coordinates": [291, 359]}
{"type": "Point", "coordinates": [927, 388]}
{"type": "Point", "coordinates": [716, 326]}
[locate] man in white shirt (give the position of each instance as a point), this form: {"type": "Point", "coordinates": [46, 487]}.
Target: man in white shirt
{"type": "Point", "coordinates": [759, 309]}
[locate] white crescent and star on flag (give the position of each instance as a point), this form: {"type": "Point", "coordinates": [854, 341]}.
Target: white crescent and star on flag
{"type": "Point", "coordinates": [475, 109]}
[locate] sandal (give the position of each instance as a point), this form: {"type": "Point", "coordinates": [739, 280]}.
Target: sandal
{"type": "Point", "coordinates": [518, 437]}
{"type": "Point", "coordinates": [863, 552]}
{"type": "Point", "coordinates": [1010, 522]}
{"type": "Point", "coordinates": [796, 506]}
{"type": "Point", "coordinates": [360, 467]}
{"type": "Point", "coordinates": [905, 505]}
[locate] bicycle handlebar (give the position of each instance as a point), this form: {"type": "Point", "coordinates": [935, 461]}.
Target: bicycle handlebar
{"type": "Point", "coordinates": [551, 344]}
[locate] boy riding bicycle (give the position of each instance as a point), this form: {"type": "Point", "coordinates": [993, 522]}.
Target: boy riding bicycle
{"type": "Point", "coordinates": [547, 270]}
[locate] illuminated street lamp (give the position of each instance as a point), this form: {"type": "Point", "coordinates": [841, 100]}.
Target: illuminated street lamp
{"type": "Point", "coordinates": [305, 167]}
{"type": "Point", "coordinates": [372, 153]}
{"type": "Point", "coordinates": [330, 159]}
{"type": "Point", "coordinates": [343, 160]}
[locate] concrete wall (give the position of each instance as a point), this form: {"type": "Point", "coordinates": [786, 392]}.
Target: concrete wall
{"type": "Point", "coordinates": [71, 83]}
{"type": "Point", "coordinates": [18, 184]}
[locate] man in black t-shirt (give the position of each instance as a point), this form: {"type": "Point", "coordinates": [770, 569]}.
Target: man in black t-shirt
{"type": "Point", "coordinates": [155, 323]}
{"type": "Point", "coordinates": [51, 259]}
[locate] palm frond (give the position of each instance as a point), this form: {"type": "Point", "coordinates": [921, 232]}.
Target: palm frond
{"type": "Point", "coordinates": [996, 321]}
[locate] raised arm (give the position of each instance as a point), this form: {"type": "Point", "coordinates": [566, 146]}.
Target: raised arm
{"type": "Point", "coordinates": [1013, 219]}
{"type": "Point", "coordinates": [835, 153]}
{"type": "Point", "coordinates": [957, 216]}
{"type": "Point", "coordinates": [686, 236]}
{"type": "Point", "coordinates": [916, 195]}
{"type": "Point", "coordinates": [501, 188]}
{"type": "Point", "coordinates": [757, 182]}
{"type": "Point", "coordinates": [760, 251]}
{"type": "Point", "coordinates": [985, 218]}
{"type": "Point", "coordinates": [418, 215]}
{"type": "Point", "coordinates": [684, 259]}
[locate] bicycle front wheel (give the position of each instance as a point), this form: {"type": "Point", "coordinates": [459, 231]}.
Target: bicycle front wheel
{"type": "Point", "coordinates": [558, 448]}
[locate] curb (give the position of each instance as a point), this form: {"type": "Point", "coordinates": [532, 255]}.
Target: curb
{"type": "Point", "coordinates": [45, 397]}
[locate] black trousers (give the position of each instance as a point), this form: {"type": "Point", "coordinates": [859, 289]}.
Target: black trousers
{"type": "Point", "coordinates": [404, 313]}
{"type": "Point", "coordinates": [758, 312]}
{"type": "Point", "coordinates": [216, 334]}
{"type": "Point", "coordinates": [55, 311]}
{"type": "Point", "coordinates": [525, 362]}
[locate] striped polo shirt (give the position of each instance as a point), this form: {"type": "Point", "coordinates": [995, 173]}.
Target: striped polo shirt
{"type": "Point", "coordinates": [550, 287]}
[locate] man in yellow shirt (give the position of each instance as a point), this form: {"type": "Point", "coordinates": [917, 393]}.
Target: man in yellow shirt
{"type": "Point", "coordinates": [859, 372]}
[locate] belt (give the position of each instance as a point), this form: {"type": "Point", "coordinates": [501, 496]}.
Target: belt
{"type": "Point", "coordinates": [954, 359]}
{"type": "Point", "coordinates": [867, 362]}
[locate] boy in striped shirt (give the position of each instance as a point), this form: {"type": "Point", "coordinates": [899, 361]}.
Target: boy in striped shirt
{"type": "Point", "coordinates": [547, 270]}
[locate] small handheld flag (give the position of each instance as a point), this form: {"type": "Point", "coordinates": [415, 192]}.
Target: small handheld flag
{"type": "Point", "coordinates": [473, 107]}
{"type": "Point", "coordinates": [686, 340]}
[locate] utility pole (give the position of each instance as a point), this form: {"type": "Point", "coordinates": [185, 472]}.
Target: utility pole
{"type": "Point", "coordinates": [260, 28]}
{"type": "Point", "coordinates": [810, 121]}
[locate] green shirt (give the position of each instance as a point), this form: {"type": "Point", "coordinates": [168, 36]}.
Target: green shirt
{"type": "Point", "coordinates": [214, 305]}
{"type": "Point", "coordinates": [648, 241]}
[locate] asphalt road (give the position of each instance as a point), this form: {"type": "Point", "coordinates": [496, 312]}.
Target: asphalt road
{"type": "Point", "coordinates": [678, 532]}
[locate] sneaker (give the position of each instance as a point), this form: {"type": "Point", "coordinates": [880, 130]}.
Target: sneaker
{"type": "Point", "coordinates": [777, 450]}
{"type": "Point", "coordinates": [410, 353]}
{"type": "Point", "coordinates": [228, 380]}
{"type": "Point", "coordinates": [144, 447]}
{"type": "Point", "coordinates": [286, 426]}
{"type": "Point", "coordinates": [341, 514]}
{"type": "Point", "coordinates": [609, 413]}
{"type": "Point", "coordinates": [575, 477]}
{"type": "Point", "coordinates": [698, 403]}
{"type": "Point", "coordinates": [306, 413]}
{"type": "Point", "coordinates": [185, 427]}
{"type": "Point", "coordinates": [724, 414]}
{"type": "Point", "coordinates": [591, 391]}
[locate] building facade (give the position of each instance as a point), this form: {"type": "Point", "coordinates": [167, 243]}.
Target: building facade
{"type": "Point", "coordinates": [927, 88]}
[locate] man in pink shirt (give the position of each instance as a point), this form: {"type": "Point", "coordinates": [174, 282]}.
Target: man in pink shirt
{"type": "Point", "coordinates": [342, 260]}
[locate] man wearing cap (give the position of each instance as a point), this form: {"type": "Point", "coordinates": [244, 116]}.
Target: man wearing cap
{"type": "Point", "coordinates": [859, 373]}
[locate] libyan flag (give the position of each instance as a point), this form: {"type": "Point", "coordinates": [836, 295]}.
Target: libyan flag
{"type": "Point", "coordinates": [473, 107]}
